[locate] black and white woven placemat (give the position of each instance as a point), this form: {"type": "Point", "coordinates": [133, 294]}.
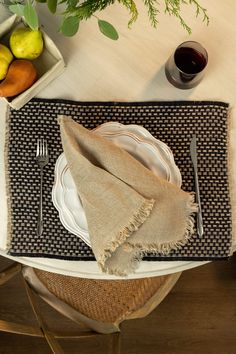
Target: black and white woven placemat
{"type": "Point", "coordinates": [172, 122]}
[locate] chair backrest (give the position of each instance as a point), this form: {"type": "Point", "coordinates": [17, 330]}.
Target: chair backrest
{"type": "Point", "coordinates": [100, 304]}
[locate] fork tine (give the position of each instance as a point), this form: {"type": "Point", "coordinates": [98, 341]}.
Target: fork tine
{"type": "Point", "coordinates": [43, 147]}
{"type": "Point", "coordinates": [46, 148]}
{"type": "Point", "coordinates": [38, 147]}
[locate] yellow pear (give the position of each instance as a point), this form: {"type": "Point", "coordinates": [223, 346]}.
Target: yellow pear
{"type": "Point", "coordinates": [6, 58]}
{"type": "Point", "coordinates": [3, 68]}
{"type": "Point", "coordinates": [26, 43]}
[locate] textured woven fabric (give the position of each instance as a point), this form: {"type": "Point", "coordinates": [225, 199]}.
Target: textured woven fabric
{"type": "Point", "coordinates": [172, 122]}
{"type": "Point", "coordinates": [129, 209]}
{"type": "Point", "coordinates": [102, 300]}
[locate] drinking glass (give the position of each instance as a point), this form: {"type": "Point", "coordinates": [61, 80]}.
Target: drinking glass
{"type": "Point", "coordinates": [186, 66]}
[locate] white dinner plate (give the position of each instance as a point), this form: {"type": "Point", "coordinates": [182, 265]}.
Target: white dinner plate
{"type": "Point", "coordinates": [152, 153]}
{"type": "Point", "coordinates": [143, 134]}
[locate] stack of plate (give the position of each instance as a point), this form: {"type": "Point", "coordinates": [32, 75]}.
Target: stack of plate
{"type": "Point", "coordinates": [139, 143]}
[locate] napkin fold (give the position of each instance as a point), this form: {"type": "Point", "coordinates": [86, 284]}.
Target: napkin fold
{"type": "Point", "coordinates": [129, 210]}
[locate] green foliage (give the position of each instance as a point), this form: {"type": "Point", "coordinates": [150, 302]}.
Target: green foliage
{"type": "Point", "coordinates": [31, 16]}
{"type": "Point", "coordinates": [17, 9]}
{"type": "Point", "coordinates": [52, 5]}
{"type": "Point", "coordinates": [79, 10]}
{"type": "Point", "coordinates": [70, 26]}
{"type": "Point", "coordinates": [152, 11]}
{"type": "Point", "coordinates": [173, 8]}
{"type": "Point", "coordinates": [108, 30]}
{"type": "Point", "coordinates": [27, 11]}
{"type": "Point", "coordinates": [131, 6]}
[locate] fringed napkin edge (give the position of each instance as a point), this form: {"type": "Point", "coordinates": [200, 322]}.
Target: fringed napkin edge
{"type": "Point", "coordinates": [135, 223]}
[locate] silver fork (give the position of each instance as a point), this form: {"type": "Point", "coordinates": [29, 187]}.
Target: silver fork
{"type": "Point", "coordinates": [42, 160]}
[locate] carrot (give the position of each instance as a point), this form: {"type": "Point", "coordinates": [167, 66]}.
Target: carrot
{"type": "Point", "coordinates": [20, 76]}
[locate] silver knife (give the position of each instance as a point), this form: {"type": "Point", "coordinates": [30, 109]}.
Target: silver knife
{"type": "Point", "coordinates": [193, 153]}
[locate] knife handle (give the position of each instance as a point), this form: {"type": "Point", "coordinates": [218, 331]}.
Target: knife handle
{"type": "Point", "coordinates": [199, 224]}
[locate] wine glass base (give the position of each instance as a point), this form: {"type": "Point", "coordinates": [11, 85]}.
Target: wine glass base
{"type": "Point", "coordinates": [177, 82]}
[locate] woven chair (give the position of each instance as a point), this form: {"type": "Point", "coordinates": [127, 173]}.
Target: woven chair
{"type": "Point", "coordinates": [99, 305]}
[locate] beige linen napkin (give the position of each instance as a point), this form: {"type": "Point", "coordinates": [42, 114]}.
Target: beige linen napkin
{"type": "Point", "coordinates": [129, 210]}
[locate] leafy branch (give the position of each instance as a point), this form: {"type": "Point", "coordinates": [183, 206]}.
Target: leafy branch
{"type": "Point", "coordinates": [79, 10]}
{"type": "Point", "coordinates": [131, 6]}
{"type": "Point", "coordinates": [152, 11]}
{"type": "Point", "coordinates": [173, 7]}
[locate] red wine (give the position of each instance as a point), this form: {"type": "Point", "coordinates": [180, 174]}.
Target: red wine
{"type": "Point", "coordinates": [189, 60]}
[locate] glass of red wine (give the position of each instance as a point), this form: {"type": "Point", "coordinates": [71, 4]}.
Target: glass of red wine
{"type": "Point", "coordinates": [186, 66]}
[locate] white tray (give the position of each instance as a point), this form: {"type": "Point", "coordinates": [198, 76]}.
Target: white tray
{"type": "Point", "coordinates": [49, 64]}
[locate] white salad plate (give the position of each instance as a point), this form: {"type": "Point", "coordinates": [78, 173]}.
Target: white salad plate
{"type": "Point", "coordinates": [139, 143]}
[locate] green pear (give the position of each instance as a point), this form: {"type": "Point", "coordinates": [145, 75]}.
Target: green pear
{"type": "Point", "coordinates": [6, 58]}
{"type": "Point", "coordinates": [26, 43]}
